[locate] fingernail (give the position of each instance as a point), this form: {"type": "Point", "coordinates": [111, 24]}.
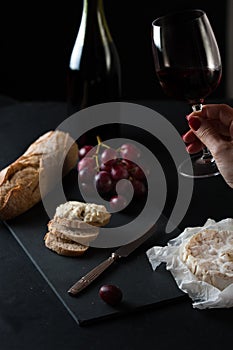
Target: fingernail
{"type": "Point", "coordinates": [194, 123]}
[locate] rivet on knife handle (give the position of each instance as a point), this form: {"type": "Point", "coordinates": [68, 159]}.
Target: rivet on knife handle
{"type": "Point", "coordinates": [92, 275]}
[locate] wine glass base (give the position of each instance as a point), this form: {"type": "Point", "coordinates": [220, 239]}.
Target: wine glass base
{"type": "Point", "coordinates": [201, 167]}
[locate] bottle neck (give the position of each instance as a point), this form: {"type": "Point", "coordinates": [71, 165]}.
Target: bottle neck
{"type": "Point", "coordinates": [92, 7]}
{"type": "Point", "coordinates": [93, 11]}
{"type": "Point", "coordinates": [93, 24]}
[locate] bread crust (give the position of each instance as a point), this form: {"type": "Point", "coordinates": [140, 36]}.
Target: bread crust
{"type": "Point", "coordinates": [19, 182]}
{"type": "Point", "coordinates": [63, 246]}
{"type": "Point", "coordinates": [74, 225]}
{"type": "Point", "coordinates": [81, 236]}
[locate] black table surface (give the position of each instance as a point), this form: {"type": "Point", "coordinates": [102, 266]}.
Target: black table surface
{"type": "Point", "coordinates": [30, 314]}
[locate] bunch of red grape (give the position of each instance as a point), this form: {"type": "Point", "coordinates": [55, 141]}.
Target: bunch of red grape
{"type": "Point", "coordinates": [103, 167]}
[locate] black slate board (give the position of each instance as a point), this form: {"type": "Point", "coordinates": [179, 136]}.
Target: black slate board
{"type": "Point", "coordinates": [140, 285]}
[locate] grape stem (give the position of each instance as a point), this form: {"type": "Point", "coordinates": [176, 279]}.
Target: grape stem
{"type": "Point", "coordinates": [100, 144]}
{"type": "Point", "coordinates": [97, 162]}
{"type": "Point", "coordinates": [96, 155]}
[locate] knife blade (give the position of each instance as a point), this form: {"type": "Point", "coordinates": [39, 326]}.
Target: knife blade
{"type": "Point", "coordinates": [121, 252]}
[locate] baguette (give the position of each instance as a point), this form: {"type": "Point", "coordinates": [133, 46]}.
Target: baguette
{"type": "Point", "coordinates": [19, 182]}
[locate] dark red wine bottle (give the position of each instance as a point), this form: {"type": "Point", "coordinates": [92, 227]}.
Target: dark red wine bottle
{"type": "Point", "coordinates": [94, 73]}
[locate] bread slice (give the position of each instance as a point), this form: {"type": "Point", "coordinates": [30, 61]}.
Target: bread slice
{"type": "Point", "coordinates": [209, 256]}
{"type": "Point", "coordinates": [90, 213]}
{"type": "Point", "coordinates": [63, 246]}
{"type": "Point", "coordinates": [19, 182]}
{"type": "Point", "coordinates": [75, 224]}
{"type": "Point", "coordinates": [79, 235]}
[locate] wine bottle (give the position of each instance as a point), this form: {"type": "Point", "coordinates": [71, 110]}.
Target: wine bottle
{"type": "Point", "coordinates": [94, 73]}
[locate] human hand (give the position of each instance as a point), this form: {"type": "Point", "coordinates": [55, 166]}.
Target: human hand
{"type": "Point", "coordinates": [213, 127]}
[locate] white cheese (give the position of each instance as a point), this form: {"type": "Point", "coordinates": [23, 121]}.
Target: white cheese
{"type": "Point", "coordinates": [209, 256]}
{"type": "Point", "coordinates": [88, 212]}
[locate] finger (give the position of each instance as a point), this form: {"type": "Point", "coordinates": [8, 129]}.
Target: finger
{"type": "Point", "coordinates": [206, 133]}
{"type": "Point", "coordinates": [221, 112]}
{"type": "Point", "coordinates": [217, 125]}
{"type": "Point", "coordinates": [189, 137]}
{"type": "Point", "coordinates": [194, 147]}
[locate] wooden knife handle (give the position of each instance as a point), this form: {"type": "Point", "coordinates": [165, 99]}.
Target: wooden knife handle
{"type": "Point", "coordinates": [92, 275]}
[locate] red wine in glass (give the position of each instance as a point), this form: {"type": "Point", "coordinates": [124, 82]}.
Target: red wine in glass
{"type": "Point", "coordinates": [188, 67]}
{"type": "Point", "coordinates": [189, 83]}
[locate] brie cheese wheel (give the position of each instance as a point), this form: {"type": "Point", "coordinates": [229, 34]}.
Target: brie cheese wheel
{"type": "Point", "coordinates": [209, 256]}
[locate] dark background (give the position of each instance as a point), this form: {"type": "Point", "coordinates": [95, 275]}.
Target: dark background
{"type": "Point", "coordinates": [36, 40]}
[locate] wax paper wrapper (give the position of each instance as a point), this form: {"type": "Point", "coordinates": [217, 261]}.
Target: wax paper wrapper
{"type": "Point", "coordinates": [202, 294]}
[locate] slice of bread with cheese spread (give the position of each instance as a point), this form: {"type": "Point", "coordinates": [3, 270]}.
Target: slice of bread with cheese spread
{"type": "Point", "coordinates": [90, 213]}
{"type": "Point", "coordinates": [74, 225]}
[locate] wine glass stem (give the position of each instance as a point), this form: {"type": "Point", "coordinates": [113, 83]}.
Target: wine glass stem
{"type": "Point", "coordinates": [197, 107]}
{"type": "Point", "coordinates": [206, 155]}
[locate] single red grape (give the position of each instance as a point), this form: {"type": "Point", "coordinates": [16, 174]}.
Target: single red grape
{"type": "Point", "coordinates": [86, 174]}
{"type": "Point", "coordinates": [103, 182]}
{"type": "Point", "coordinates": [119, 172]}
{"type": "Point", "coordinates": [108, 154]}
{"type": "Point", "coordinates": [87, 162]}
{"type": "Point", "coordinates": [139, 188]}
{"type": "Point", "coordinates": [111, 294]}
{"type": "Point", "coordinates": [128, 164]}
{"type": "Point", "coordinates": [118, 202]}
{"type": "Point", "coordinates": [130, 151]}
{"type": "Point", "coordinates": [107, 166]}
{"type": "Point", "coordinates": [137, 173]}
{"type": "Point", "coordinates": [124, 188]}
{"type": "Point", "coordinates": [84, 150]}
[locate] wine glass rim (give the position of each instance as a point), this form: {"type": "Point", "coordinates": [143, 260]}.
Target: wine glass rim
{"type": "Point", "coordinates": [172, 17]}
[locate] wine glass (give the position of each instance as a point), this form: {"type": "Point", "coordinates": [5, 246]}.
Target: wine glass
{"type": "Point", "coordinates": [188, 66]}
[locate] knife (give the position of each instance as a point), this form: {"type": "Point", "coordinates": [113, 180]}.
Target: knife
{"type": "Point", "coordinates": [121, 252]}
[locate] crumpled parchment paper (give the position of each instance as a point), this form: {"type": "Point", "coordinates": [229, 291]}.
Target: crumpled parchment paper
{"type": "Point", "coordinates": [202, 294]}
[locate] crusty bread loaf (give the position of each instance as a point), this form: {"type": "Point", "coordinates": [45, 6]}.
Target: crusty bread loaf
{"type": "Point", "coordinates": [63, 246]}
{"type": "Point", "coordinates": [19, 182]}
{"type": "Point", "coordinates": [209, 256]}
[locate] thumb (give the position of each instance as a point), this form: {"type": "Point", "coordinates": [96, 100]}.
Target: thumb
{"type": "Point", "coordinates": [205, 131]}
